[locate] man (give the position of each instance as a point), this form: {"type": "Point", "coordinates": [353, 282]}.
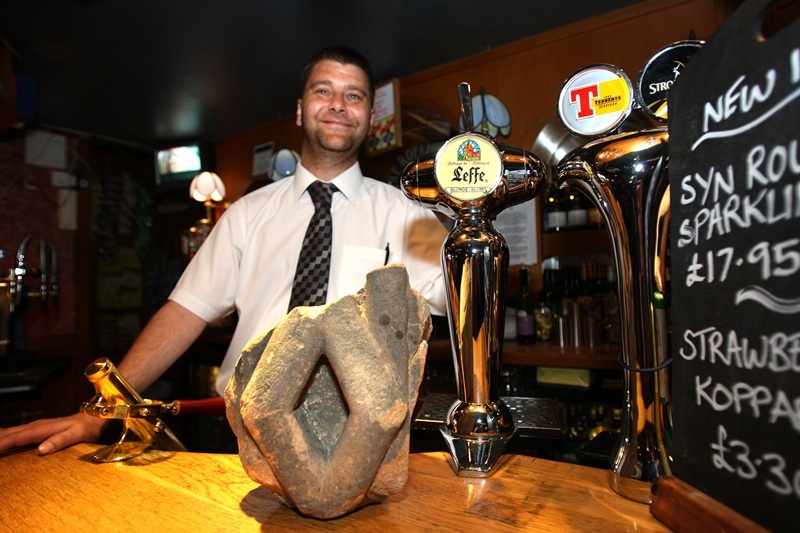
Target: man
{"type": "Point", "coordinates": [248, 262]}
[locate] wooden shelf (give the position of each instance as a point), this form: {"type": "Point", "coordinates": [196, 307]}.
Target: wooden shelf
{"type": "Point", "coordinates": [605, 356]}
{"type": "Point", "coordinates": [599, 357]}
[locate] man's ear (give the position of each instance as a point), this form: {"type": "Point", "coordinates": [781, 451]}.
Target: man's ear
{"type": "Point", "coordinates": [371, 118]}
{"type": "Point", "coordinates": [299, 119]}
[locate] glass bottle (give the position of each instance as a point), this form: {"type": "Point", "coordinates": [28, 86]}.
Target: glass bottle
{"type": "Point", "coordinates": [577, 209]}
{"type": "Point", "coordinates": [526, 329]}
{"type": "Point", "coordinates": [594, 218]}
{"type": "Point", "coordinates": [611, 307]}
{"type": "Point", "coordinates": [544, 310]}
{"type": "Point", "coordinates": [555, 210]}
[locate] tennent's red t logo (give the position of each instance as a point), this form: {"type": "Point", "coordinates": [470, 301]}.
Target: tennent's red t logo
{"type": "Point", "coordinates": [583, 97]}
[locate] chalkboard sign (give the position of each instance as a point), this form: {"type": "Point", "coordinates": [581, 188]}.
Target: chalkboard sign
{"type": "Point", "coordinates": [734, 122]}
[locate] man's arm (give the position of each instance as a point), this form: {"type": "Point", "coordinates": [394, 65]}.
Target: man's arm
{"type": "Point", "coordinates": [170, 332]}
{"type": "Point", "coordinates": [165, 338]}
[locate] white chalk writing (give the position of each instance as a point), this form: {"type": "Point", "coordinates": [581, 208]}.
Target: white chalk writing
{"type": "Point", "coordinates": [736, 457]}
{"type": "Point", "coordinates": [778, 352]}
{"type": "Point", "coordinates": [754, 400]}
{"type": "Point", "coordinates": [771, 195]}
{"type": "Point", "coordinates": [741, 98]}
{"type": "Point", "coordinates": [779, 259]}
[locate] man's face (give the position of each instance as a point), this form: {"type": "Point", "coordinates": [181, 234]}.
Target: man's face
{"type": "Point", "coordinates": [335, 110]}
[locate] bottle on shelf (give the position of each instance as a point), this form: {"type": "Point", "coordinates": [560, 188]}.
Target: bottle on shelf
{"type": "Point", "coordinates": [611, 307]}
{"type": "Point", "coordinates": [594, 218]}
{"type": "Point", "coordinates": [526, 328]}
{"type": "Point", "coordinates": [591, 307]}
{"type": "Point", "coordinates": [577, 209]}
{"type": "Point", "coordinates": [568, 288]}
{"type": "Point", "coordinates": [555, 212]}
{"type": "Point", "coordinates": [545, 309]}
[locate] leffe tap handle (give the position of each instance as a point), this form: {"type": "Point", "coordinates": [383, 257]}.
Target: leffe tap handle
{"type": "Point", "coordinates": [466, 106]}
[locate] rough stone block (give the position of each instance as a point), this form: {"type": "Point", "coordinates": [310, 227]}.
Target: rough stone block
{"type": "Point", "coordinates": [321, 405]}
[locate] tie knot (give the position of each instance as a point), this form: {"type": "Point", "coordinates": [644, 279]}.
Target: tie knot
{"type": "Point", "coordinates": [321, 193]}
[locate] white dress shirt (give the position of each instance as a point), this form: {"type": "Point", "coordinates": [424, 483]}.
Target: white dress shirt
{"type": "Point", "coordinates": [248, 262]}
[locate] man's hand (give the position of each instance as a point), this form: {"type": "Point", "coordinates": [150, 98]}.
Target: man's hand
{"type": "Point", "coordinates": [54, 433]}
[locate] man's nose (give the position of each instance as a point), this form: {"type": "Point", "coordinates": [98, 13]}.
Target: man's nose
{"type": "Point", "coordinates": [338, 102]}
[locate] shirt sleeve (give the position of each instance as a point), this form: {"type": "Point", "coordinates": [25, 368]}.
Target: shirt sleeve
{"type": "Point", "coordinates": [207, 287]}
{"type": "Point", "coordinates": [425, 235]}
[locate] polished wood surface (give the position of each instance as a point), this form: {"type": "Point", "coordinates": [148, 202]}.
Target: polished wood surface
{"type": "Point", "coordinates": [210, 492]}
{"type": "Point", "coordinates": [686, 510]}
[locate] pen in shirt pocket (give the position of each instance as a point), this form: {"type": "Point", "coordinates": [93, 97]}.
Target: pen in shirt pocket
{"type": "Point", "coordinates": [386, 259]}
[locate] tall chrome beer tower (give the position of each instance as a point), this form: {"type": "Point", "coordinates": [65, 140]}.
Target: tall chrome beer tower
{"type": "Point", "coordinates": [471, 179]}
{"type": "Point", "coordinates": [626, 177]}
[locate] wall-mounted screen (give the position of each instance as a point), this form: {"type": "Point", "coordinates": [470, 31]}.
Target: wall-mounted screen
{"type": "Point", "coordinates": [177, 163]}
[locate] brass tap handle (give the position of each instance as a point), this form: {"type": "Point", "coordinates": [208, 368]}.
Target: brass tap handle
{"type": "Point", "coordinates": [116, 398]}
{"type": "Point", "coordinates": [150, 409]}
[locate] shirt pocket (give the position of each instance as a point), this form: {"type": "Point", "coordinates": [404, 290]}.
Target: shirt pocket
{"type": "Point", "coordinates": [357, 262]}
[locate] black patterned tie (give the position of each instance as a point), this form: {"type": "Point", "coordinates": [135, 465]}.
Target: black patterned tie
{"type": "Point", "coordinates": [311, 277]}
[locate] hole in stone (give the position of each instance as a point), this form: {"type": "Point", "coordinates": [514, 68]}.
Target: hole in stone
{"type": "Point", "coordinates": [322, 409]}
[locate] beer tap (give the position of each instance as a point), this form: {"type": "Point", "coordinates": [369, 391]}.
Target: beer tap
{"type": "Point", "coordinates": [43, 270]}
{"type": "Point", "coordinates": [53, 285]}
{"type": "Point", "coordinates": [472, 179]}
{"type": "Point", "coordinates": [626, 176]}
{"type": "Point", "coordinates": [18, 274]}
{"type": "Point", "coordinates": [12, 287]}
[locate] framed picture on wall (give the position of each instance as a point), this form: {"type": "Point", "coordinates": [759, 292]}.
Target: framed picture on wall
{"type": "Point", "coordinates": [386, 133]}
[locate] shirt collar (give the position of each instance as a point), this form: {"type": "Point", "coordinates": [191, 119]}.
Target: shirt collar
{"type": "Point", "coordinates": [348, 182]}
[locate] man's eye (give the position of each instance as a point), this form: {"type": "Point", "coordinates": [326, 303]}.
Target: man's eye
{"type": "Point", "coordinates": [356, 97]}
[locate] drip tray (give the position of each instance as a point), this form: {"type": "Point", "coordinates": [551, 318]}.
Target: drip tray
{"type": "Point", "coordinates": [535, 418]}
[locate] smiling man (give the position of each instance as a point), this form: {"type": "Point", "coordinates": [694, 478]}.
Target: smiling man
{"type": "Point", "coordinates": [335, 112]}
{"type": "Point", "coordinates": [247, 265]}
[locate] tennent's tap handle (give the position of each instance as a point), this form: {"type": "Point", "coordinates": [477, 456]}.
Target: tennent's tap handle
{"type": "Point", "coordinates": [626, 176]}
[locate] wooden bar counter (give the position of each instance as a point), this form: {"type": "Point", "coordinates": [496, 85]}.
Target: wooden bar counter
{"type": "Point", "coordinates": [198, 492]}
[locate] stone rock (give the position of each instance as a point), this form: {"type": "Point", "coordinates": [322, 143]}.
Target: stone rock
{"type": "Point", "coordinates": [321, 405]}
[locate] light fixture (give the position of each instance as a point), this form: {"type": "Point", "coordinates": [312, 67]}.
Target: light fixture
{"type": "Point", "coordinates": [490, 115]}
{"type": "Point", "coordinates": [207, 188]}
{"type": "Point", "coordinates": [283, 164]}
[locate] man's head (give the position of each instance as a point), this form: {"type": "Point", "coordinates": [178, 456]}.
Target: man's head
{"type": "Point", "coordinates": [334, 110]}
{"type": "Point", "coordinates": [345, 56]}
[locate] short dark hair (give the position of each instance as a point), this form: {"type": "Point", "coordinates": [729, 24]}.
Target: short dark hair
{"type": "Point", "coordinates": [345, 56]}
